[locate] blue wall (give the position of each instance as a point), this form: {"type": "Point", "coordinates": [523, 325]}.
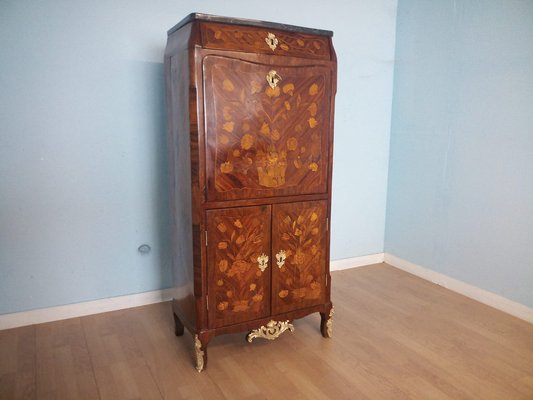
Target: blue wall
{"type": "Point", "coordinates": [82, 144]}
{"type": "Point", "coordinates": [460, 195]}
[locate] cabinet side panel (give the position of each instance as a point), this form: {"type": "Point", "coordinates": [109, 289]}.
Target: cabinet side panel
{"type": "Point", "coordinates": [330, 169]}
{"type": "Point", "coordinates": [177, 78]}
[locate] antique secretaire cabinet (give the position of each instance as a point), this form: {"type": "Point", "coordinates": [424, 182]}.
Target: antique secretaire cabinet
{"type": "Point", "coordinates": [250, 122]}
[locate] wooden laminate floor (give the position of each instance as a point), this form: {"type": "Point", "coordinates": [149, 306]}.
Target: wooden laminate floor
{"type": "Point", "coordinates": [395, 337]}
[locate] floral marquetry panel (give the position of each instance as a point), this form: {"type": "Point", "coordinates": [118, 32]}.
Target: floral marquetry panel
{"type": "Point", "coordinates": [238, 264]}
{"type": "Point", "coordinates": [267, 129]}
{"type": "Point", "coordinates": [299, 240]}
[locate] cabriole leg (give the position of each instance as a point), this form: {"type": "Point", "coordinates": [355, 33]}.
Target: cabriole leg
{"type": "Point", "coordinates": [326, 323]}
{"type": "Point", "coordinates": [200, 346]}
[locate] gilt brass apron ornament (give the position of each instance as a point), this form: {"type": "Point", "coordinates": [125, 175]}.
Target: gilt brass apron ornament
{"type": "Point", "coordinates": [271, 331]}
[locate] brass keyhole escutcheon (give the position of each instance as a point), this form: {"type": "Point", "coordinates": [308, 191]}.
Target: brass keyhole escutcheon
{"type": "Point", "coordinates": [280, 258]}
{"type": "Point", "coordinates": [273, 78]}
{"type": "Point", "coordinates": [272, 41]}
{"type": "Point", "coordinates": [262, 262]}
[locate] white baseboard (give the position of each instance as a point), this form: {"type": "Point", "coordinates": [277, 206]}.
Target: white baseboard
{"type": "Point", "coordinates": [483, 296]}
{"type": "Point", "coordinates": [80, 309]}
{"type": "Point", "coordinates": [353, 262]}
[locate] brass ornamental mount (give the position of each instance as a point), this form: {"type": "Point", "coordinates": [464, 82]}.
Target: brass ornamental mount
{"type": "Point", "coordinates": [262, 262]}
{"type": "Point", "coordinates": [272, 41]}
{"type": "Point", "coordinates": [271, 331]}
{"type": "Point", "coordinates": [280, 258]}
{"type": "Point", "coordinates": [199, 354]}
{"type": "Point", "coordinates": [329, 323]}
{"type": "Point", "coordinates": [273, 78]}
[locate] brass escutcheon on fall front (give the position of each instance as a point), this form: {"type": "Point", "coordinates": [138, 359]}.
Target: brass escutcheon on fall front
{"type": "Point", "coordinates": [273, 78]}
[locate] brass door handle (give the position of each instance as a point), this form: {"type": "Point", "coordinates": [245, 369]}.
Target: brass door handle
{"type": "Point", "coordinates": [273, 78]}
{"type": "Point", "coordinates": [272, 41]}
{"type": "Point", "coordinates": [280, 258]}
{"type": "Point", "coordinates": [262, 262]}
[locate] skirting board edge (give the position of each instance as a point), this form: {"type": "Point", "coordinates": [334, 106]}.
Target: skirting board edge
{"type": "Point", "coordinates": [57, 313]}
{"type": "Point", "coordinates": [483, 296]}
{"type": "Point", "coordinates": [354, 262]}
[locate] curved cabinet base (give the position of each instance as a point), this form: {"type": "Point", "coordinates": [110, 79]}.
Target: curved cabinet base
{"type": "Point", "coordinates": [269, 329]}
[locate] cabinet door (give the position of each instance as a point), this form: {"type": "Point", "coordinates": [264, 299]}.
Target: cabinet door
{"type": "Point", "coordinates": [264, 141]}
{"type": "Point", "coordinates": [299, 240]}
{"type": "Point", "coordinates": [238, 280]}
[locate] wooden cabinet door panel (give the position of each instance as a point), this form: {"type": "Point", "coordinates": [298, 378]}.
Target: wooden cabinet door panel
{"type": "Point", "coordinates": [238, 290]}
{"type": "Point", "coordinates": [300, 231]}
{"type": "Point", "coordinates": [263, 141]}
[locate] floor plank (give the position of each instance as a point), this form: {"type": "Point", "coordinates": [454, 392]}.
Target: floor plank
{"type": "Point", "coordinates": [17, 363]}
{"type": "Point", "coordinates": [153, 331]}
{"type": "Point", "coordinates": [120, 368]}
{"type": "Point", "coordinates": [64, 368]}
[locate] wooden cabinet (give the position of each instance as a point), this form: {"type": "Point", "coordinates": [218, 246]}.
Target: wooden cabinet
{"type": "Point", "coordinates": [250, 121]}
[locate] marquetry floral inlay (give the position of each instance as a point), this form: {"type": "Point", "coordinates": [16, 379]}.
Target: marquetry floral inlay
{"type": "Point", "coordinates": [252, 39]}
{"type": "Point", "coordinates": [239, 262]}
{"type": "Point", "coordinates": [300, 231]}
{"type": "Point", "coordinates": [228, 85]}
{"type": "Point", "coordinates": [267, 137]}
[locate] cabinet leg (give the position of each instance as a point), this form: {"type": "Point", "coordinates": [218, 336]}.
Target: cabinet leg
{"type": "Point", "coordinates": [326, 323]}
{"type": "Point", "coordinates": [178, 326]}
{"type": "Point", "coordinates": [200, 346]}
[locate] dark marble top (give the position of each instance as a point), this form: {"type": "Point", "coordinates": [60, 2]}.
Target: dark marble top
{"type": "Point", "coordinates": [248, 22]}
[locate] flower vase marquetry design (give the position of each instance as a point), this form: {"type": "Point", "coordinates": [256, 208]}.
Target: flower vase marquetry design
{"type": "Point", "coordinates": [240, 284]}
{"type": "Point", "coordinates": [267, 139]}
{"type": "Point", "coordinates": [271, 169]}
